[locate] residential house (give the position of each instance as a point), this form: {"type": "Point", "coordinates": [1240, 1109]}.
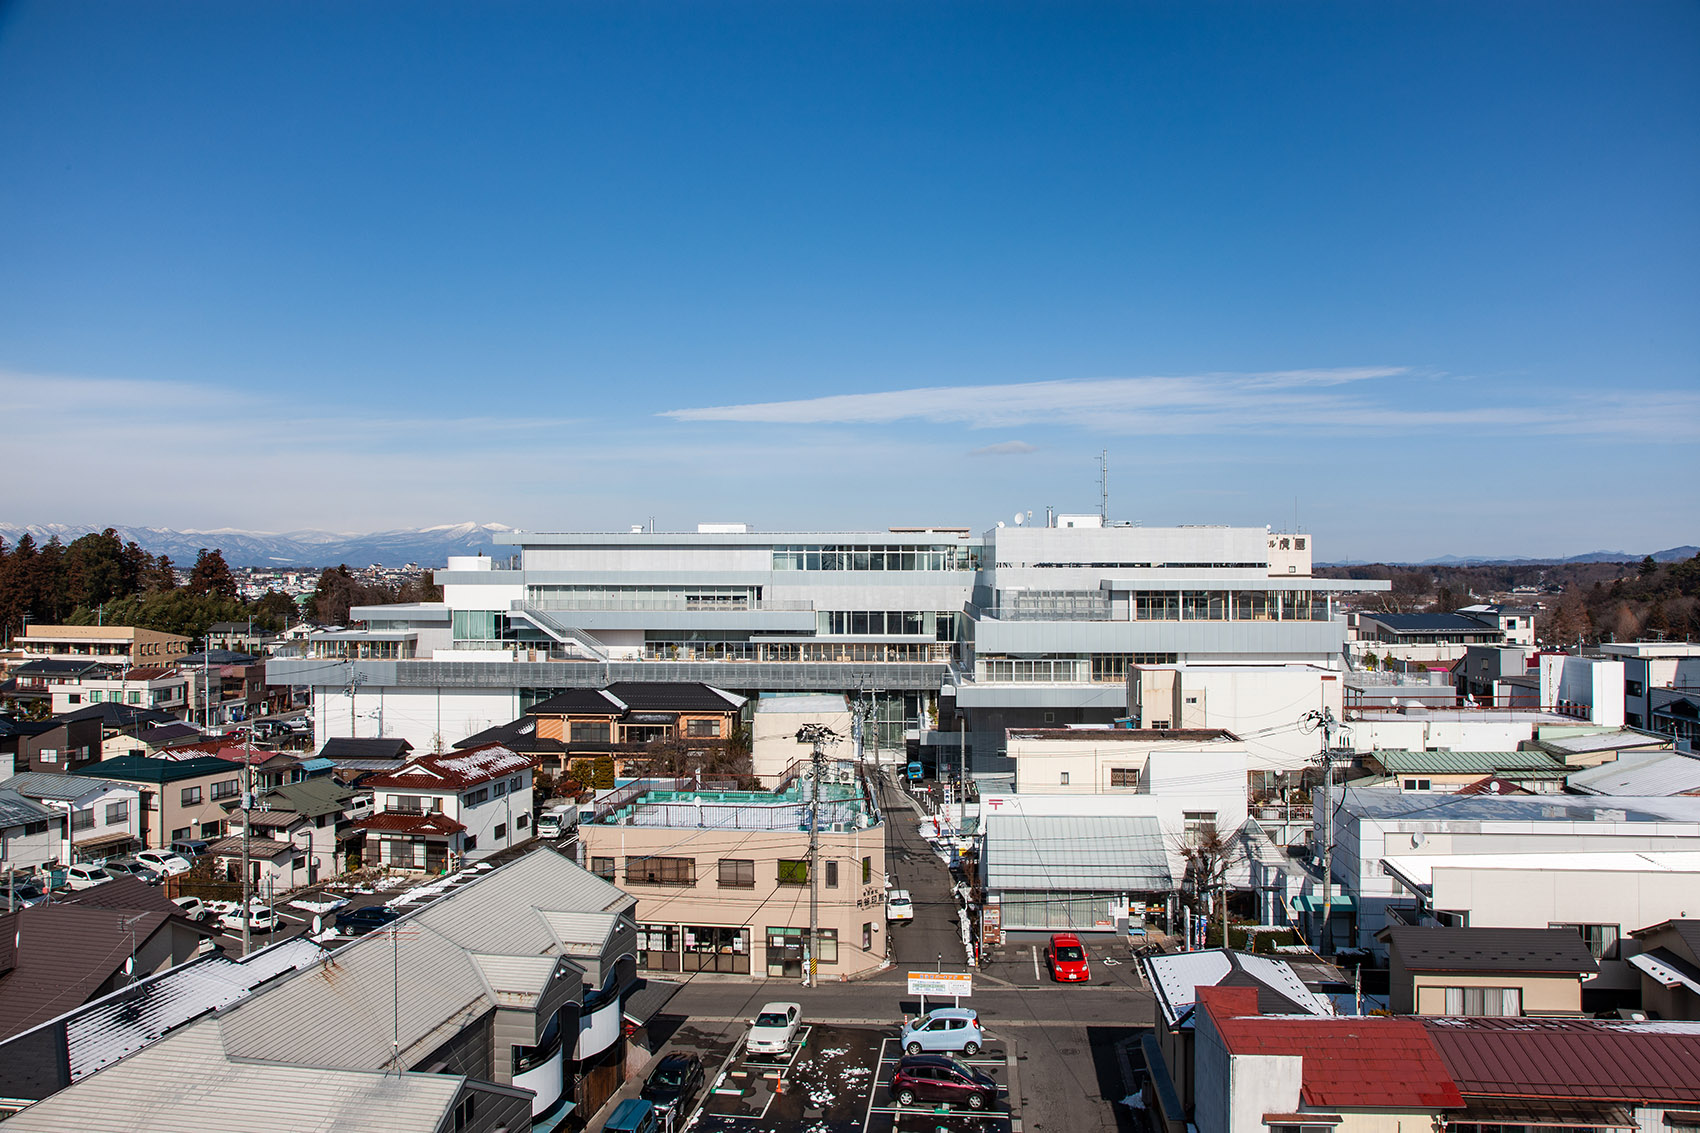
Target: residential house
{"type": "Point", "coordinates": [120, 646]}
{"type": "Point", "coordinates": [1486, 971]}
{"type": "Point", "coordinates": [227, 687]}
{"type": "Point", "coordinates": [54, 957]}
{"type": "Point", "coordinates": [573, 728]}
{"type": "Point", "coordinates": [39, 679]}
{"type": "Point", "coordinates": [1534, 771]}
{"type": "Point", "coordinates": [151, 739]}
{"type": "Point", "coordinates": [181, 798]}
{"type": "Point", "coordinates": [1175, 980]}
{"type": "Point", "coordinates": [57, 745]}
{"type": "Point", "coordinates": [353, 759]}
{"type": "Point", "coordinates": [1287, 1073]}
{"type": "Point", "coordinates": [105, 815]}
{"type": "Point", "coordinates": [437, 810]}
{"type": "Point", "coordinates": [1103, 761]}
{"type": "Point", "coordinates": [496, 1023]}
{"type": "Point", "coordinates": [1675, 712]}
{"type": "Point", "coordinates": [163, 688]}
{"type": "Point", "coordinates": [1570, 1073]}
{"type": "Point", "coordinates": [1669, 964]}
{"type": "Point", "coordinates": [1517, 623]}
{"type": "Point", "coordinates": [300, 834]}
{"type": "Point", "coordinates": [1291, 1073]}
{"type": "Point", "coordinates": [723, 876]}
{"type": "Point", "coordinates": [240, 637]}
{"type": "Point", "coordinates": [26, 838]}
{"type": "Point", "coordinates": [119, 723]}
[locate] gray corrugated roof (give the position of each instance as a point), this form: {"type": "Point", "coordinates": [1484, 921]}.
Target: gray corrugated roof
{"type": "Point", "coordinates": [1393, 805]}
{"type": "Point", "coordinates": [189, 1082]}
{"type": "Point", "coordinates": [128, 1020]}
{"type": "Point", "coordinates": [581, 930]}
{"type": "Point", "coordinates": [1097, 853]}
{"type": "Point", "coordinates": [50, 785]}
{"type": "Point", "coordinates": [16, 810]}
{"type": "Point", "coordinates": [1491, 949]}
{"type": "Point", "coordinates": [446, 948]}
{"type": "Point", "coordinates": [1652, 773]}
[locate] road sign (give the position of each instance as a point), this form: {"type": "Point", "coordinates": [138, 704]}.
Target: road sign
{"type": "Point", "coordinates": [941, 983]}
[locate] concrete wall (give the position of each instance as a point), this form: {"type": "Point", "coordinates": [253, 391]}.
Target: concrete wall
{"type": "Point", "coordinates": [421, 716]}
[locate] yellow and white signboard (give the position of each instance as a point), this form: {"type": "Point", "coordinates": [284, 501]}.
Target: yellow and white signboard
{"type": "Point", "coordinates": [941, 983]}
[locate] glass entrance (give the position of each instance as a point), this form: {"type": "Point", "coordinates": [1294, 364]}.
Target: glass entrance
{"type": "Point", "coordinates": [785, 952]}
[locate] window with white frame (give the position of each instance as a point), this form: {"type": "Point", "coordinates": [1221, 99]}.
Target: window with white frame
{"type": "Point", "coordinates": [1484, 1000]}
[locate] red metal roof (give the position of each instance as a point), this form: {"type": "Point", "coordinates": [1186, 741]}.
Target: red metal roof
{"type": "Point", "coordinates": [1354, 1063]}
{"type": "Point", "coordinates": [1605, 1060]}
{"type": "Point", "coordinates": [438, 824]}
{"type": "Point", "coordinates": [455, 770]}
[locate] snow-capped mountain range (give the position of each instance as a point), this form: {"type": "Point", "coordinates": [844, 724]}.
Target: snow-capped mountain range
{"type": "Point", "coordinates": [427, 546]}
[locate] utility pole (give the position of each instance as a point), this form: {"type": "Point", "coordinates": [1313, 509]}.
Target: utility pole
{"type": "Point", "coordinates": [247, 827]}
{"type": "Point", "coordinates": [817, 735]}
{"type": "Point", "coordinates": [1325, 722]}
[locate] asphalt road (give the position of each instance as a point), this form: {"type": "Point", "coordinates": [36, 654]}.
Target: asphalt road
{"type": "Point", "coordinates": [911, 864]}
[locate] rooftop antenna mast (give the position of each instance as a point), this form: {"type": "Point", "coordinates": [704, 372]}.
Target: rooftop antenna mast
{"type": "Point", "coordinates": [1104, 487]}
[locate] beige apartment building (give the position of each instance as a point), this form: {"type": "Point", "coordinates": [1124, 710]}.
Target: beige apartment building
{"type": "Point", "coordinates": [722, 878]}
{"type": "Point", "coordinates": [110, 645]}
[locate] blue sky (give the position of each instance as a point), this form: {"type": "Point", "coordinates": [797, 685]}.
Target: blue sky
{"type": "Point", "coordinates": [1427, 273]}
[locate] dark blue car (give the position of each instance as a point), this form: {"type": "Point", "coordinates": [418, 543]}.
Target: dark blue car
{"type": "Point", "coordinates": [359, 922]}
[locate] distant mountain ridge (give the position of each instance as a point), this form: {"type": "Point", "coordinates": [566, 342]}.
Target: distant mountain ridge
{"type": "Point", "coordinates": [427, 546]}
{"type": "Point", "coordinates": [1668, 555]}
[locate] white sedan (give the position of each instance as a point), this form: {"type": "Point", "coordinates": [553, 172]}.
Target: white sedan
{"type": "Point", "coordinates": [260, 919]}
{"type": "Point", "coordinates": [774, 1028]}
{"type": "Point", "coordinates": [167, 863]}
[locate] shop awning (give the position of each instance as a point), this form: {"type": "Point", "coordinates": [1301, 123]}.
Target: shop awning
{"type": "Point", "coordinates": [1552, 1114]}
{"type": "Point", "coordinates": [1312, 903]}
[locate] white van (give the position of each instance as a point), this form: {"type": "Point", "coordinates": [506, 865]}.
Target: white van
{"type": "Point", "coordinates": [558, 821]}
{"type": "Point", "coordinates": [898, 906]}
{"type": "Point", "coordinates": [86, 876]}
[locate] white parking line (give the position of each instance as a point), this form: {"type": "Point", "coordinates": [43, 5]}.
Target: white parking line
{"type": "Point", "coordinates": [1034, 949]}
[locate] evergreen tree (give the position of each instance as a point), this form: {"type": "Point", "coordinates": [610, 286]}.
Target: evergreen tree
{"type": "Point", "coordinates": [211, 575]}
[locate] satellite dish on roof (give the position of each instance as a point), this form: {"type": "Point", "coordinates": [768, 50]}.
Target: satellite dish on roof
{"type": "Point", "coordinates": [1000, 524]}
{"type": "Point", "coordinates": [1019, 519]}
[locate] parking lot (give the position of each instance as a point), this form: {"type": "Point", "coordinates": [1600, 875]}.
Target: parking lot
{"type": "Point", "coordinates": [833, 1080]}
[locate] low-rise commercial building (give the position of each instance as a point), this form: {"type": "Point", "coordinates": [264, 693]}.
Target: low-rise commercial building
{"type": "Point", "coordinates": [723, 876]}
{"type": "Point", "coordinates": [122, 646]}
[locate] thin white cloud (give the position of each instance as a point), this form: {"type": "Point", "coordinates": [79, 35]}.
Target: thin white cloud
{"type": "Point", "coordinates": [1005, 448]}
{"type": "Point", "coordinates": [1364, 399]}
{"type": "Point", "coordinates": [1068, 402]}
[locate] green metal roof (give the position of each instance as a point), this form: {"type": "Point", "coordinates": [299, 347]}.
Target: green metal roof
{"type": "Point", "coordinates": [1524, 763]}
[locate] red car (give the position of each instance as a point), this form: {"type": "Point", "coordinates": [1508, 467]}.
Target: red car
{"type": "Point", "coordinates": [1067, 958]}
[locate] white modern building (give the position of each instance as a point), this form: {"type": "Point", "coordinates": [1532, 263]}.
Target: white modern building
{"type": "Point", "coordinates": [1649, 666]}
{"type": "Point", "coordinates": [1512, 861]}
{"type": "Point", "coordinates": [934, 627]}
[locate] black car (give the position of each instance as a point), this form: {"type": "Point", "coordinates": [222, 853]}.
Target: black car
{"type": "Point", "coordinates": [359, 922]}
{"type": "Point", "coordinates": [674, 1082]}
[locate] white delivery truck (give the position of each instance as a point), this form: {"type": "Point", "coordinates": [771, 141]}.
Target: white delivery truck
{"type": "Point", "coordinates": [558, 821]}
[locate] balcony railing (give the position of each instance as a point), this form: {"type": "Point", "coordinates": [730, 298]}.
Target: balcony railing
{"type": "Point", "coordinates": [681, 603]}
